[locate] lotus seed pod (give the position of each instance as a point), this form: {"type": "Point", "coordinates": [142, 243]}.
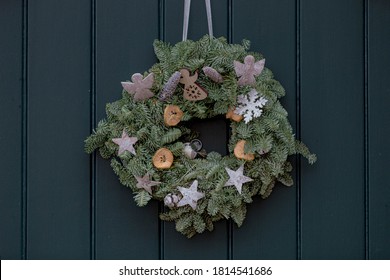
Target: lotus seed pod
{"type": "Point", "coordinates": [213, 74]}
{"type": "Point", "coordinates": [168, 201]}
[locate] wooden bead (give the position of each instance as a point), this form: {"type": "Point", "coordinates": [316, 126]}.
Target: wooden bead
{"type": "Point", "coordinates": [172, 115]}
{"type": "Point", "coordinates": [233, 116]}
{"type": "Point", "coordinates": [192, 91]}
{"type": "Point", "coordinates": [239, 151]}
{"type": "Point", "coordinates": [163, 158]}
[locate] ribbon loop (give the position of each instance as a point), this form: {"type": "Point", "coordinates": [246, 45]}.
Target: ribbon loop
{"type": "Point", "coordinates": [186, 18]}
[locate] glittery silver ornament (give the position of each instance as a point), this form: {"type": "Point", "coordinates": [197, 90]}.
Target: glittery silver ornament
{"type": "Point", "coordinates": [170, 87]}
{"type": "Point", "coordinates": [212, 74]}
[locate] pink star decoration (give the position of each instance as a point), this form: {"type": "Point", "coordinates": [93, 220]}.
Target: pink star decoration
{"type": "Point", "coordinates": [248, 70]}
{"type": "Point", "coordinates": [237, 178]}
{"type": "Point", "coordinates": [140, 87]}
{"type": "Point", "coordinates": [145, 183]}
{"type": "Point", "coordinates": [125, 143]}
{"type": "Point", "coordinates": [190, 195]}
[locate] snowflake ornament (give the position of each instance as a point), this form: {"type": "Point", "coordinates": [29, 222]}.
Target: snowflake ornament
{"type": "Point", "coordinates": [140, 86]}
{"type": "Point", "coordinates": [250, 105]}
{"type": "Point", "coordinates": [248, 70]}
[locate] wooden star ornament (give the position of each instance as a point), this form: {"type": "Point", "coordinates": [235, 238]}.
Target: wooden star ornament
{"type": "Point", "coordinates": [125, 143]}
{"type": "Point", "coordinates": [190, 195]}
{"type": "Point", "coordinates": [145, 183]}
{"type": "Point", "coordinates": [237, 178]}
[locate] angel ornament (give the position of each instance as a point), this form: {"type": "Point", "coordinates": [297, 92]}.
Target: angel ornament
{"type": "Point", "coordinates": [192, 91]}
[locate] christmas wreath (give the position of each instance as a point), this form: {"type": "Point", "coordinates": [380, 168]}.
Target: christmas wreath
{"type": "Point", "coordinates": [155, 154]}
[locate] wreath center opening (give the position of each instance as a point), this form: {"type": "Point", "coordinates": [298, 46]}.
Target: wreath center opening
{"type": "Point", "coordinates": [213, 133]}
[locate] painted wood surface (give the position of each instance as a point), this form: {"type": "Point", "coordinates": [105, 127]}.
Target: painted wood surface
{"type": "Point", "coordinates": [62, 61]}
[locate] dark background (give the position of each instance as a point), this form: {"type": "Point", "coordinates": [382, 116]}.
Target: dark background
{"type": "Point", "coordinates": [62, 61]}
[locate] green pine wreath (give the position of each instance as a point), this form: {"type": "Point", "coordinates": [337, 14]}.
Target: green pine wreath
{"type": "Point", "coordinates": [158, 157]}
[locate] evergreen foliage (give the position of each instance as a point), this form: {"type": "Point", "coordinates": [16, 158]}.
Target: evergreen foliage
{"type": "Point", "coordinates": [269, 137]}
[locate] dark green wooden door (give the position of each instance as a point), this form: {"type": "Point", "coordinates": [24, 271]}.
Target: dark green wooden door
{"type": "Point", "coordinates": [62, 61]}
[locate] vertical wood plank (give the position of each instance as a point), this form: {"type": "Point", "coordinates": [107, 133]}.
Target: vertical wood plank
{"type": "Point", "coordinates": [11, 127]}
{"type": "Point", "coordinates": [125, 32]}
{"type": "Point", "coordinates": [209, 245]}
{"type": "Point", "coordinates": [379, 128]}
{"type": "Point", "coordinates": [270, 228]}
{"type": "Point", "coordinates": [58, 121]}
{"type": "Point", "coordinates": [332, 109]}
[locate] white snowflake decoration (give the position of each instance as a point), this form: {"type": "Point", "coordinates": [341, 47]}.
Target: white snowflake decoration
{"type": "Point", "coordinates": [250, 105]}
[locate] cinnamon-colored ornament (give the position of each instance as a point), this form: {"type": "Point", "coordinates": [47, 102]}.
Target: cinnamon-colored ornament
{"type": "Point", "coordinates": [239, 151]}
{"type": "Point", "coordinates": [172, 115]}
{"type": "Point", "coordinates": [213, 74]}
{"type": "Point", "coordinates": [233, 116]}
{"type": "Point", "coordinates": [163, 158]}
{"type": "Point", "coordinates": [192, 91]}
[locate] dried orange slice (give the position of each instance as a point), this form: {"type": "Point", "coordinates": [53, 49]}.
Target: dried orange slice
{"type": "Point", "coordinates": [163, 158]}
{"type": "Point", "coordinates": [172, 115]}
{"type": "Point", "coordinates": [239, 151]}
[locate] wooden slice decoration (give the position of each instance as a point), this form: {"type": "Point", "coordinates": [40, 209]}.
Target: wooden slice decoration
{"type": "Point", "coordinates": [172, 115]}
{"type": "Point", "coordinates": [233, 116]}
{"type": "Point", "coordinates": [163, 158]}
{"type": "Point", "coordinates": [192, 91]}
{"type": "Point", "coordinates": [239, 151]}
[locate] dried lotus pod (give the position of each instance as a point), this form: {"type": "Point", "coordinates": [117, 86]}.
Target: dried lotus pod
{"type": "Point", "coordinates": [171, 200]}
{"type": "Point", "coordinates": [233, 116]}
{"type": "Point", "coordinates": [163, 158]}
{"type": "Point", "coordinates": [239, 151]}
{"type": "Point", "coordinates": [172, 115]}
{"type": "Point", "coordinates": [213, 74]}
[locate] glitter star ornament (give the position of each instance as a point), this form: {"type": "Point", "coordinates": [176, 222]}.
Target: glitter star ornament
{"type": "Point", "coordinates": [145, 183]}
{"type": "Point", "coordinates": [190, 195]}
{"type": "Point", "coordinates": [140, 87]}
{"type": "Point", "coordinates": [125, 143]}
{"type": "Point", "coordinates": [248, 70]}
{"type": "Point", "coordinates": [237, 178]}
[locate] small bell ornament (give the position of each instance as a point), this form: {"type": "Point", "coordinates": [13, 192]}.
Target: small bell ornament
{"type": "Point", "coordinates": [188, 151]}
{"type": "Point", "coordinates": [191, 150]}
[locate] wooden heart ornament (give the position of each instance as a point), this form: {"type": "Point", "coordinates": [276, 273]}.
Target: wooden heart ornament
{"type": "Point", "coordinates": [192, 91]}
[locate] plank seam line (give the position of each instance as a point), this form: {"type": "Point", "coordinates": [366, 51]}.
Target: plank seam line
{"type": "Point", "coordinates": [24, 127]}
{"type": "Point", "coordinates": [366, 129]}
{"type": "Point", "coordinates": [230, 232]}
{"type": "Point", "coordinates": [93, 125]}
{"type": "Point", "coordinates": [161, 224]}
{"type": "Point", "coordinates": [298, 127]}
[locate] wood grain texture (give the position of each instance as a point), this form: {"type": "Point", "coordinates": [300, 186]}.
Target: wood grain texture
{"type": "Point", "coordinates": [11, 130]}
{"type": "Point", "coordinates": [125, 31]}
{"type": "Point", "coordinates": [211, 245]}
{"type": "Point", "coordinates": [62, 61]}
{"type": "Point", "coordinates": [270, 229]}
{"type": "Point", "coordinates": [378, 129]}
{"type": "Point", "coordinates": [58, 121]}
{"type": "Point", "coordinates": [332, 124]}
